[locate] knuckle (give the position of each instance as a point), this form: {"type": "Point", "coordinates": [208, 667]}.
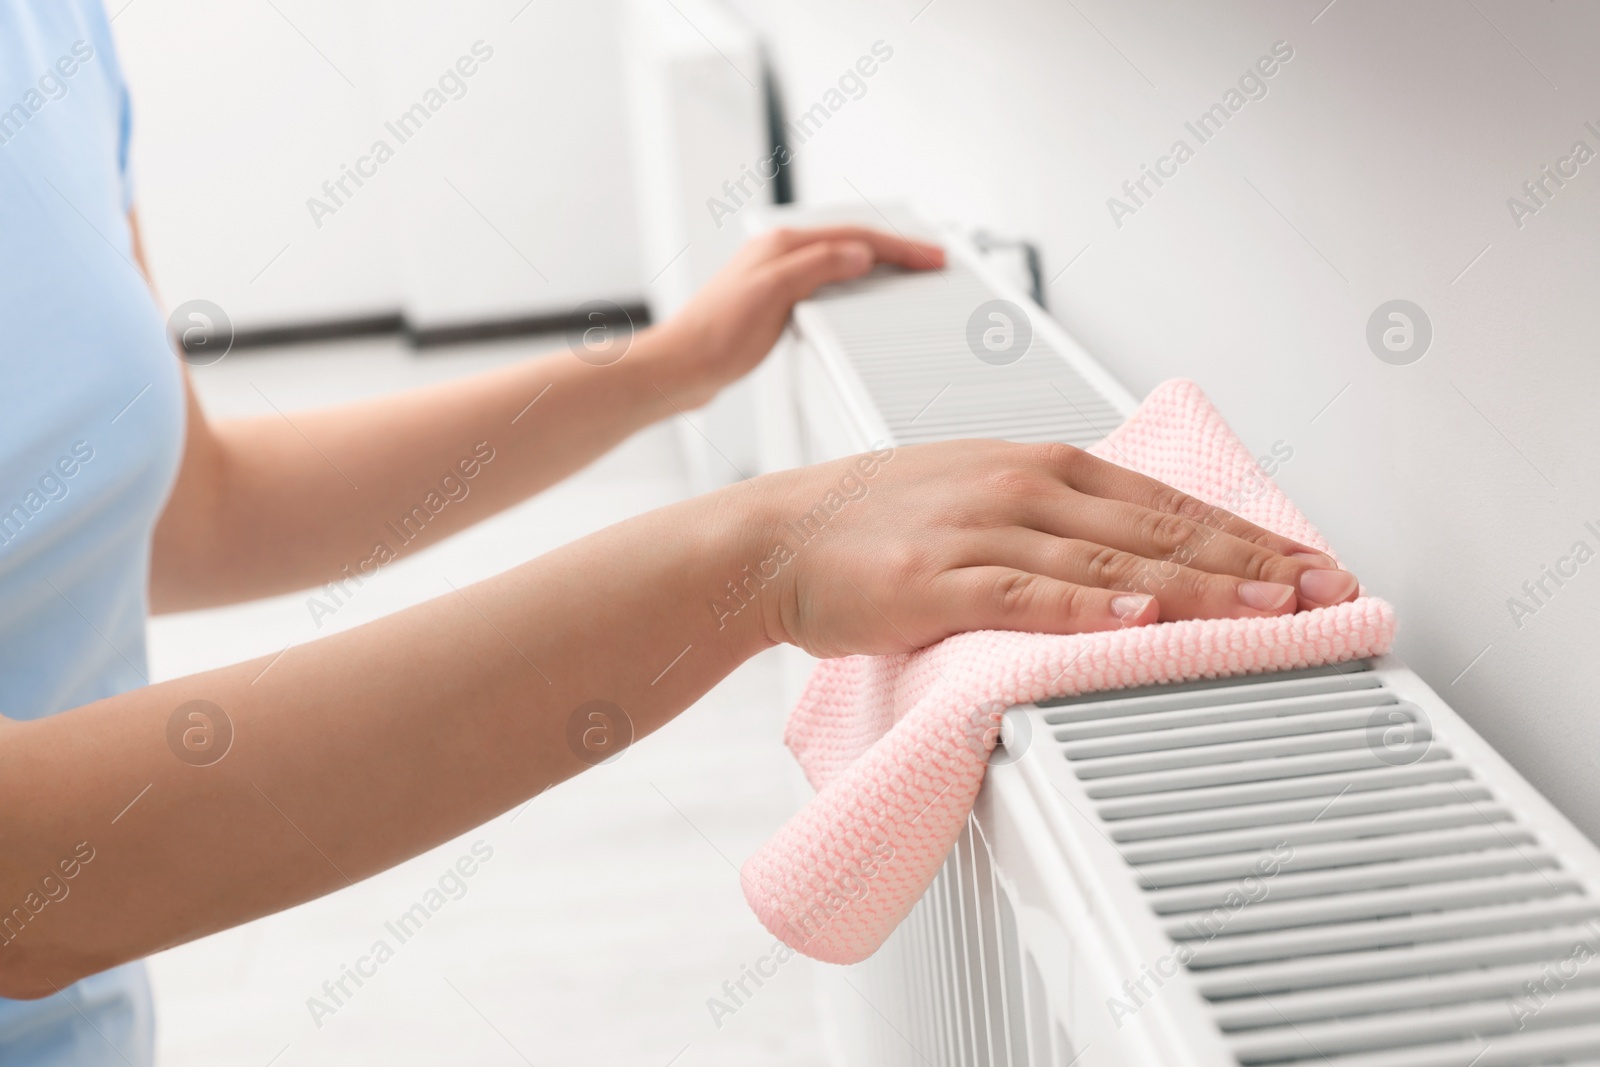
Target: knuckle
{"type": "Point", "coordinates": [1200, 587]}
{"type": "Point", "coordinates": [1071, 600]}
{"type": "Point", "coordinates": [783, 237]}
{"type": "Point", "coordinates": [1177, 502]}
{"type": "Point", "coordinates": [1263, 539]}
{"type": "Point", "coordinates": [906, 566]}
{"type": "Point", "coordinates": [1168, 534]}
{"type": "Point", "coordinates": [1110, 568]}
{"type": "Point", "coordinates": [1263, 566]}
{"type": "Point", "coordinates": [1015, 591]}
{"type": "Point", "coordinates": [1059, 456]}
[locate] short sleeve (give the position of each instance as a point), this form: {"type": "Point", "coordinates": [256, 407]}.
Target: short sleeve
{"type": "Point", "coordinates": [117, 103]}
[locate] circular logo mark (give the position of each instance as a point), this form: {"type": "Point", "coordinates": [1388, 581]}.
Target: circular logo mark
{"type": "Point", "coordinates": [199, 733]}
{"type": "Point", "coordinates": [603, 333]}
{"type": "Point", "coordinates": [1399, 332]}
{"type": "Point", "coordinates": [1399, 734]}
{"type": "Point", "coordinates": [998, 732]}
{"type": "Point", "coordinates": [999, 332]}
{"type": "Point", "coordinates": [598, 731]}
{"type": "Point", "coordinates": [203, 331]}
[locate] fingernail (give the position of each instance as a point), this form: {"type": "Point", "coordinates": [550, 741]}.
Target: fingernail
{"type": "Point", "coordinates": [1265, 596]}
{"type": "Point", "coordinates": [1129, 607]}
{"type": "Point", "coordinates": [1312, 557]}
{"type": "Point", "coordinates": [1327, 586]}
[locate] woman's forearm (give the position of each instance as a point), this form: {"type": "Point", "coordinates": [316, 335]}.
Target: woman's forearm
{"type": "Point", "coordinates": [296, 499]}
{"type": "Point", "coordinates": [357, 751]}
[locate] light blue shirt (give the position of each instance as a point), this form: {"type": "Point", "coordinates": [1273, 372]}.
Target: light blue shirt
{"type": "Point", "coordinates": [91, 431]}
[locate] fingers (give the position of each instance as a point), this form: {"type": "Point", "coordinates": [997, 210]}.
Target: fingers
{"type": "Point", "coordinates": [1167, 540]}
{"type": "Point", "coordinates": [1003, 598]}
{"type": "Point", "coordinates": [1090, 474]}
{"type": "Point", "coordinates": [796, 275]}
{"type": "Point", "coordinates": [884, 247]}
{"type": "Point", "coordinates": [1120, 508]}
{"type": "Point", "coordinates": [1182, 592]}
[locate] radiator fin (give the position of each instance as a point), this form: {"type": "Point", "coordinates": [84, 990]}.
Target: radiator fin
{"type": "Point", "coordinates": [955, 986]}
{"type": "Point", "coordinates": [907, 339]}
{"type": "Point", "coordinates": [1339, 886]}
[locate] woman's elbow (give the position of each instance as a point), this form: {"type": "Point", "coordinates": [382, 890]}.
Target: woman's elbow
{"type": "Point", "coordinates": [28, 975]}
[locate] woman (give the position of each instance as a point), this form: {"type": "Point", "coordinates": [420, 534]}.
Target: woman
{"type": "Point", "coordinates": [351, 753]}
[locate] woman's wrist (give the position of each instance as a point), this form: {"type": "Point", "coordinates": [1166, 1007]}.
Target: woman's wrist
{"type": "Point", "coordinates": [746, 587]}
{"type": "Point", "coordinates": [636, 379]}
{"type": "Point", "coordinates": [666, 364]}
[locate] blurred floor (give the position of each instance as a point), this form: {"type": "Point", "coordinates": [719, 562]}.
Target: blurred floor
{"type": "Point", "coordinates": [610, 909]}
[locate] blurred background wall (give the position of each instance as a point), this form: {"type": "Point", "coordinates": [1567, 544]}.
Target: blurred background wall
{"type": "Point", "coordinates": [513, 198]}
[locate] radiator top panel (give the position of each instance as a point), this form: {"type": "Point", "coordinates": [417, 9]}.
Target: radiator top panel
{"type": "Point", "coordinates": [913, 345]}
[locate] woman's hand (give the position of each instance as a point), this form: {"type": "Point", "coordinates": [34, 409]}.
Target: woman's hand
{"type": "Point", "coordinates": [896, 549]}
{"type": "Point", "coordinates": [725, 330]}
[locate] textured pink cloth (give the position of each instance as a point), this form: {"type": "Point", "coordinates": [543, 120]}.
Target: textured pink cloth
{"type": "Point", "coordinates": [897, 746]}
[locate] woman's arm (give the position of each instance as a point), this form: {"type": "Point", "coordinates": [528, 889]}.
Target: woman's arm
{"type": "Point", "coordinates": [293, 500]}
{"type": "Point", "coordinates": [361, 749]}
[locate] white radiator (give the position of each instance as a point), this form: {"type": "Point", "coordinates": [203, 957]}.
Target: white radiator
{"type": "Point", "coordinates": [1324, 867]}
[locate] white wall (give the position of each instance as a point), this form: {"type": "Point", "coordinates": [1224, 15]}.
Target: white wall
{"type": "Point", "coordinates": [1376, 167]}
{"type": "Point", "coordinates": [242, 111]}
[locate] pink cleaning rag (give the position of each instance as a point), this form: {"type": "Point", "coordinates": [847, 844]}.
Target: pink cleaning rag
{"type": "Point", "coordinates": [897, 746]}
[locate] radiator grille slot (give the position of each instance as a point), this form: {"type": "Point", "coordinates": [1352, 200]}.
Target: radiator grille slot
{"type": "Point", "coordinates": [955, 985]}
{"type": "Point", "coordinates": [907, 339]}
{"type": "Point", "coordinates": [1339, 886]}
